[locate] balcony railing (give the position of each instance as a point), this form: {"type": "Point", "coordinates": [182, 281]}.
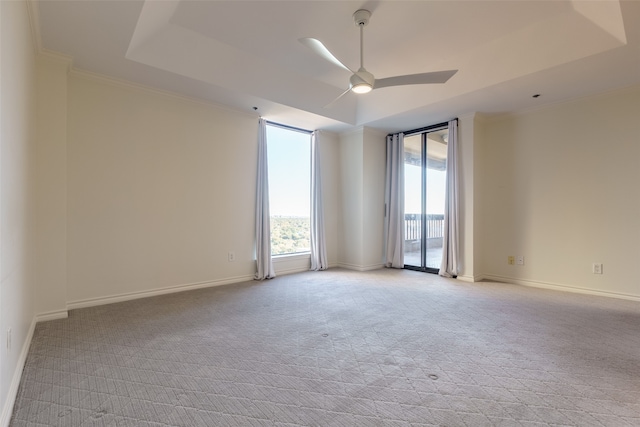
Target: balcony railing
{"type": "Point", "coordinates": [413, 226]}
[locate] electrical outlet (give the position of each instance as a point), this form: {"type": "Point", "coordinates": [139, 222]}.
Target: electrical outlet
{"type": "Point", "coordinates": [231, 256]}
{"type": "Point", "coordinates": [511, 260]}
{"type": "Point", "coordinates": [520, 260]}
{"type": "Point", "coordinates": [597, 268]}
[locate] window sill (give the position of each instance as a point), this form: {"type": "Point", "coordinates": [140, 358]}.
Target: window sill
{"type": "Point", "coordinates": [291, 257]}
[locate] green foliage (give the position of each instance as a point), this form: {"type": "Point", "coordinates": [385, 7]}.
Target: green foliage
{"type": "Point", "coordinates": [290, 235]}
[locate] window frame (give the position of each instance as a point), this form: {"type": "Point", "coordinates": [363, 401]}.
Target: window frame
{"type": "Point", "coordinates": [290, 255]}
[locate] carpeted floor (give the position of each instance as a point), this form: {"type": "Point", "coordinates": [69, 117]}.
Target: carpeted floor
{"type": "Point", "coordinates": [339, 348]}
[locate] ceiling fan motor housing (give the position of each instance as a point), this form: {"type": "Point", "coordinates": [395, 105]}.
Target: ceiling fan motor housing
{"type": "Point", "coordinates": [362, 79]}
{"type": "Point", "coordinates": [362, 76]}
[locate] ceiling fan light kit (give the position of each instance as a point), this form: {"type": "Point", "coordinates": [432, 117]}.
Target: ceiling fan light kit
{"type": "Point", "coordinates": [362, 81]}
{"type": "Point", "coordinates": [361, 88]}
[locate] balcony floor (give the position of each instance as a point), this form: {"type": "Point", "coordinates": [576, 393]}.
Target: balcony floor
{"type": "Point", "coordinates": [434, 257]}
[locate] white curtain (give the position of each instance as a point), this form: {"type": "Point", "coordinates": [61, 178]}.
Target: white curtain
{"type": "Point", "coordinates": [318, 244]}
{"type": "Point", "coordinates": [450, 262]}
{"type": "Point", "coordinates": [394, 202]}
{"type": "Point", "coordinates": [264, 263]}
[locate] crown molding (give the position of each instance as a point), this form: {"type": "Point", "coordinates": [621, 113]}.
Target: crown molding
{"type": "Point", "coordinates": [113, 81]}
{"type": "Point", "coordinates": [562, 102]}
{"type": "Point", "coordinates": [60, 58]}
{"type": "Point", "coordinates": [34, 21]}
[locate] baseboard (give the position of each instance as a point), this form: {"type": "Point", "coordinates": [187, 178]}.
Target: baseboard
{"type": "Point", "coordinates": [7, 410]}
{"type": "Point", "coordinates": [560, 287]}
{"type": "Point", "coordinates": [294, 270]}
{"type": "Point", "coordinates": [357, 267]}
{"type": "Point", "coordinates": [52, 315]}
{"type": "Point", "coordinates": [470, 279]}
{"type": "Point", "coordinates": [91, 302]}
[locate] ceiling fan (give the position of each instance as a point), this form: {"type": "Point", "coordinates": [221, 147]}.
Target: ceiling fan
{"type": "Point", "coordinates": [362, 81]}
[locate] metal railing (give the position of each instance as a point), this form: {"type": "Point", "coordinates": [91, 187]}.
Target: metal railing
{"type": "Point", "coordinates": [434, 224]}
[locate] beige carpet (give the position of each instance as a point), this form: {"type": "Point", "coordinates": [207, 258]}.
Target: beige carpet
{"type": "Point", "coordinates": [340, 348]}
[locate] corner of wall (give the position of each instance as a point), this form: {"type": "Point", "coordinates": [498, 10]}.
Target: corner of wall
{"type": "Point", "coordinates": [51, 184]}
{"type": "Point", "coordinates": [18, 140]}
{"type": "Point", "coordinates": [466, 165]}
{"type": "Point", "coordinates": [351, 198]}
{"type": "Point", "coordinates": [7, 410]}
{"type": "Point", "coordinates": [374, 158]}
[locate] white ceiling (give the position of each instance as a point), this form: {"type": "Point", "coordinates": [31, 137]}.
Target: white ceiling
{"type": "Point", "coordinates": [246, 54]}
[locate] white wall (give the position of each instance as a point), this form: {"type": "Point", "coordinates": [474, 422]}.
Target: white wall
{"type": "Point", "coordinates": [374, 163]}
{"type": "Point", "coordinates": [560, 187]}
{"type": "Point", "coordinates": [51, 170]}
{"type": "Point", "coordinates": [160, 188]}
{"type": "Point", "coordinates": [351, 183]}
{"type": "Point", "coordinates": [362, 163]}
{"type": "Point", "coordinates": [17, 194]}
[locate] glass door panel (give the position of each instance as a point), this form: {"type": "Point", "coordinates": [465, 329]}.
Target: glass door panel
{"type": "Point", "coordinates": [413, 201]}
{"type": "Point", "coordinates": [425, 187]}
{"type": "Point", "coordinates": [436, 187]}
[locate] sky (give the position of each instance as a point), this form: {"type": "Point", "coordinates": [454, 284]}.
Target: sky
{"type": "Point", "coordinates": [436, 186]}
{"type": "Point", "coordinates": [289, 155]}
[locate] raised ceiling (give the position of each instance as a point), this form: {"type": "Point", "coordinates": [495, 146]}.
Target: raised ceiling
{"type": "Point", "coordinates": [246, 54]}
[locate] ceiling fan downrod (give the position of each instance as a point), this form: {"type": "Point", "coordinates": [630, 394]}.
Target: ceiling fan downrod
{"type": "Point", "coordinates": [362, 81]}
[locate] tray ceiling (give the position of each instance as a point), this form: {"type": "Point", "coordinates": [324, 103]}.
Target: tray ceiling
{"type": "Point", "coordinates": [246, 54]}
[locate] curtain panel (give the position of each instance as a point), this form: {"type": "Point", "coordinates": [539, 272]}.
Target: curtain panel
{"type": "Point", "coordinates": [264, 263]}
{"type": "Point", "coordinates": [318, 243]}
{"type": "Point", "coordinates": [450, 266]}
{"type": "Point", "coordinates": [394, 202]}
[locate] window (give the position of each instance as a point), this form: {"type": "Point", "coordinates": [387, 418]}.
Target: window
{"type": "Point", "coordinates": [289, 157]}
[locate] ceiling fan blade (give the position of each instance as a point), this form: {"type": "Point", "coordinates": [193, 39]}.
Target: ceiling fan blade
{"type": "Point", "coordinates": [331, 104]}
{"type": "Point", "coordinates": [415, 79]}
{"type": "Point", "coordinates": [320, 49]}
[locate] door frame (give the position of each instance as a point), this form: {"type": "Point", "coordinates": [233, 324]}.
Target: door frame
{"type": "Point", "coordinates": [423, 195]}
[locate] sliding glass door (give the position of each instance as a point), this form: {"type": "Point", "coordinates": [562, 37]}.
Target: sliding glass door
{"type": "Point", "coordinates": [425, 156]}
